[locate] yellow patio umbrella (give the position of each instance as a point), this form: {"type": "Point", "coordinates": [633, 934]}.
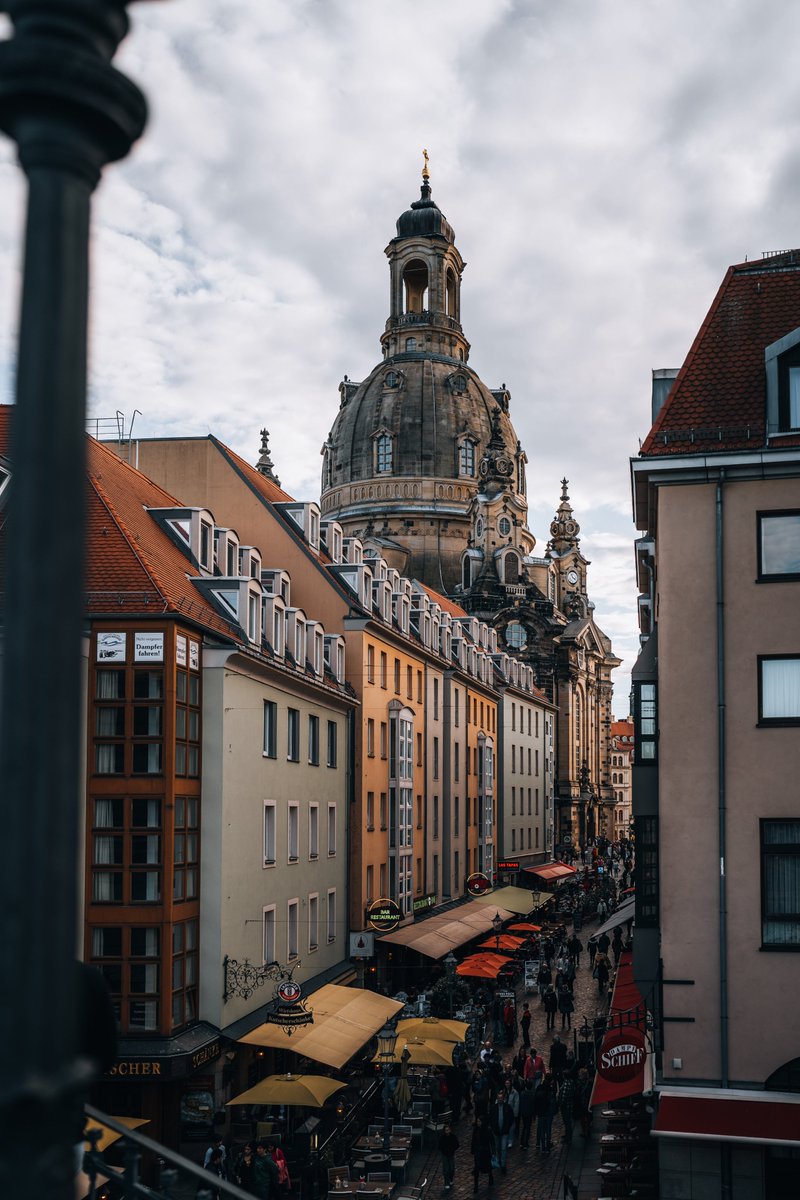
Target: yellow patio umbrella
{"type": "Point", "coordinates": [425, 1028]}
{"type": "Point", "coordinates": [107, 1135]}
{"type": "Point", "coordinates": [429, 1053]}
{"type": "Point", "coordinates": [310, 1091]}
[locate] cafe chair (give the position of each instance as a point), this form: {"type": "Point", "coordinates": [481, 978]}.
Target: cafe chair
{"type": "Point", "coordinates": [437, 1121]}
{"type": "Point", "coordinates": [379, 1177]}
{"type": "Point", "coordinates": [335, 1173]}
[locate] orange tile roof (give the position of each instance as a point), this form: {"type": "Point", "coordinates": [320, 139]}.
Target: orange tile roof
{"type": "Point", "coordinates": [448, 606]}
{"type": "Point", "coordinates": [718, 401]}
{"type": "Point", "coordinates": [622, 728]}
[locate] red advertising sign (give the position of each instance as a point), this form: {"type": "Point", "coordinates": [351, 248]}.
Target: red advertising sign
{"type": "Point", "coordinates": [622, 1055]}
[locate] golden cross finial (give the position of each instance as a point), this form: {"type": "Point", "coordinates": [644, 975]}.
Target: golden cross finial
{"type": "Point", "coordinates": [425, 172]}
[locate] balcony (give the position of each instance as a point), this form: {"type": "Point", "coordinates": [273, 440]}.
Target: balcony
{"type": "Point", "coordinates": [426, 317]}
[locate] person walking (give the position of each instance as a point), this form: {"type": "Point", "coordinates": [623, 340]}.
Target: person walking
{"type": "Point", "coordinates": [566, 1006]}
{"type": "Point", "coordinates": [602, 970]}
{"type": "Point", "coordinates": [265, 1174]}
{"type": "Point", "coordinates": [481, 1149]}
{"type": "Point", "coordinates": [501, 1124]}
{"type": "Point", "coordinates": [448, 1144]}
{"type": "Point", "coordinates": [558, 1058]}
{"type": "Point", "coordinates": [550, 1002]}
{"type": "Point", "coordinates": [575, 947]}
{"type": "Point", "coordinates": [603, 942]}
{"type": "Point", "coordinates": [616, 944]}
{"type": "Point", "coordinates": [525, 1025]}
{"type": "Point", "coordinates": [217, 1144]}
{"type": "Point", "coordinates": [602, 909]}
{"type": "Point", "coordinates": [509, 1022]}
{"type": "Point", "coordinates": [216, 1165]}
{"type": "Point", "coordinates": [527, 1102]}
{"type": "Point", "coordinates": [544, 978]}
{"type": "Point", "coordinates": [566, 1103]}
{"type": "Point", "coordinates": [592, 946]}
{"type": "Point", "coordinates": [245, 1168]}
{"type": "Point", "coordinates": [512, 1095]}
{"type": "Point", "coordinates": [279, 1158]}
{"type": "Point", "coordinates": [545, 1108]}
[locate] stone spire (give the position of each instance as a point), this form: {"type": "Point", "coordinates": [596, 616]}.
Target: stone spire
{"type": "Point", "coordinates": [564, 529]}
{"type": "Point", "coordinates": [496, 468]}
{"type": "Point", "coordinates": [265, 465]}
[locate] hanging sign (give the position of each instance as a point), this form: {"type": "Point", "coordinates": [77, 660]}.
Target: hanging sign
{"type": "Point", "coordinates": [478, 884]}
{"type": "Point", "coordinates": [290, 1011]}
{"type": "Point", "coordinates": [622, 1056]}
{"type": "Point", "coordinates": [505, 865]}
{"type": "Point", "coordinates": [384, 915]}
{"type": "Point", "coordinates": [362, 945]}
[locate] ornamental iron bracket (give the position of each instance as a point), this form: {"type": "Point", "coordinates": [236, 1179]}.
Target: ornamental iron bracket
{"type": "Point", "coordinates": [242, 978]}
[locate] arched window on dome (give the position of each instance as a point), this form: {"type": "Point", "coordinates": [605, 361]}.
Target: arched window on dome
{"type": "Point", "coordinates": [451, 293]}
{"type": "Point", "coordinates": [466, 457]}
{"type": "Point", "coordinates": [521, 474]}
{"type": "Point", "coordinates": [383, 452]}
{"type": "Point", "coordinates": [327, 468]}
{"type": "Point", "coordinates": [511, 567]}
{"type": "Point", "coordinates": [411, 343]}
{"type": "Point", "coordinates": [415, 286]}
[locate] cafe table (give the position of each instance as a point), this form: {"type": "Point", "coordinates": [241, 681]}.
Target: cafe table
{"type": "Point", "coordinates": [381, 1191]}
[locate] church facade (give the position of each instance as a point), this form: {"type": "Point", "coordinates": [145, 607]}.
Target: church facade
{"type": "Point", "coordinates": [424, 466]}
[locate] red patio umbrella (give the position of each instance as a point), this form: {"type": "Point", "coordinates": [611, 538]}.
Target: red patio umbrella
{"type": "Point", "coordinates": [524, 927]}
{"type": "Point", "coordinates": [504, 943]}
{"type": "Point", "coordinates": [481, 966]}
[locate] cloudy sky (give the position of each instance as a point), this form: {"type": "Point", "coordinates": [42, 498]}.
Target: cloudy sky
{"type": "Point", "coordinates": [602, 162]}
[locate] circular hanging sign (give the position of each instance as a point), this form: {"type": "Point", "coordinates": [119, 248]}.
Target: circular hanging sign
{"type": "Point", "coordinates": [478, 884]}
{"type": "Point", "coordinates": [384, 915]}
{"type": "Point", "coordinates": [288, 992]}
{"type": "Point", "coordinates": [622, 1056]}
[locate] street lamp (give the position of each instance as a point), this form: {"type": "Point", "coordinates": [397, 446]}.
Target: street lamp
{"type": "Point", "coordinates": [497, 925]}
{"type": "Point", "coordinates": [450, 967]}
{"type": "Point", "coordinates": [387, 1040]}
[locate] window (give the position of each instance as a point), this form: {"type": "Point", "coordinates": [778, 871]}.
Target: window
{"type": "Point", "coordinates": [292, 921]}
{"type": "Point", "coordinates": [331, 923]}
{"type": "Point", "coordinates": [384, 740]}
{"type": "Point", "coordinates": [331, 830]}
{"type": "Point", "coordinates": [270, 729]}
{"type": "Point", "coordinates": [779, 690]}
{"type": "Point", "coordinates": [268, 936]}
{"type": "Point", "coordinates": [780, 884]}
{"type": "Point", "coordinates": [647, 904]}
{"type": "Point", "coordinates": [513, 801]}
{"type": "Point", "coordinates": [411, 344]}
{"type": "Point", "coordinates": [370, 737]}
{"type": "Point", "coordinates": [456, 705]}
{"type": "Point", "coordinates": [384, 817]}
{"type": "Point", "coordinates": [313, 831]}
{"type": "Point", "coordinates": [397, 675]}
{"type": "Point", "coordinates": [370, 810]}
{"type": "Point", "coordinates": [313, 922]}
{"type": "Point", "coordinates": [383, 670]}
{"type": "Point", "coordinates": [269, 834]}
{"type": "Point", "coordinates": [186, 849]}
{"type": "Point", "coordinates": [779, 545]}
{"type": "Point", "coordinates": [332, 744]}
{"type": "Point", "coordinates": [419, 687]}
{"type": "Point", "coordinates": [419, 749]}
{"type": "Point", "coordinates": [466, 458]}
{"type": "Point", "coordinates": [436, 699]}
{"type": "Point", "coordinates": [293, 738]}
{"type": "Point", "coordinates": [435, 758]}
{"type": "Point", "coordinates": [383, 455]}
{"type": "Point", "coordinates": [184, 972]}
{"type": "Point", "coordinates": [409, 683]}
{"type": "Point", "coordinates": [293, 833]}
{"type": "Point", "coordinates": [370, 895]}
{"type": "Point", "coordinates": [370, 664]}
{"type": "Point", "coordinates": [436, 816]}
{"type": "Point", "coordinates": [313, 740]}
{"type": "Point", "coordinates": [645, 722]}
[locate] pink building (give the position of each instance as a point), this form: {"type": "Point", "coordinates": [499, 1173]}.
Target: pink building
{"type": "Point", "coordinates": [716, 687]}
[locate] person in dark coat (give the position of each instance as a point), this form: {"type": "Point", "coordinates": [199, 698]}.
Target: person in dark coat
{"type": "Point", "coordinates": [592, 947]}
{"type": "Point", "coordinates": [566, 1006]}
{"type": "Point", "coordinates": [216, 1166]}
{"type": "Point", "coordinates": [501, 1123]}
{"type": "Point", "coordinates": [481, 1148]}
{"type": "Point", "coordinates": [575, 947]}
{"type": "Point", "coordinates": [558, 1058]}
{"type": "Point", "coordinates": [265, 1182]}
{"type": "Point", "coordinates": [544, 978]}
{"type": "Point", "coordinates": [244, 1171]}
{"type": "Point", "coordinates": [601, 972]}
{"type": "Point", "coordinates": [525, 1025]}
{"type": "Point", "coordinates": [455, 1090]}
{"type": "Point", "coordinates": [448, 1144]}
{"type": "Point", "coordinates": [526, 1113]}
{"type": "Point", "coordinates": [603, 942]}
{"type": "Point", "coordinates": [550, 1002]}
{"type": "Point", "coordinates": [616, 944]}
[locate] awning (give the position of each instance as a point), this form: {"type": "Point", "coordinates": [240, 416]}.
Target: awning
{"type": "Point", "coordinates": [520, 901]}
{"type": "Point", "coordinates": [552, 872]}
{"type": "Point", "coordinates": [344, 1020]}
{"type": "Point", "coordinates": [436, 936]}
{"type": "Point", "coordinates": [729, 1115]}
{"type": "Point", "coordinates": [624, 1064]}
{"type": "Point", "coordinates": [624, 913]}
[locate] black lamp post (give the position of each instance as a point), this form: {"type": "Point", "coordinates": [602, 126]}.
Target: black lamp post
{"type": "Point", "coordinates": [450, 967]}
{"type": "Point", "coordinates": [387, 1040]}
{"type": "Point", "coordinates": [497, 925]}
{"type": "Point", "coordinates": [69, 112]}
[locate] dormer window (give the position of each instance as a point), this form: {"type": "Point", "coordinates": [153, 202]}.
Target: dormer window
{"type": "Point", "coordinates": [459, 384]}
{"type": "Point", "coordinates": [782, 362]}
{"type": "Point", "coordinates": [789, 410]}
{"type": "Point", "coordinates": [206, 541]}
{"type": "Point", "coordinates": [466, 457]}
{"type": "Point", "coordinates": [391, 379]}
{"type": "Point", "coordinates": [383, 454]}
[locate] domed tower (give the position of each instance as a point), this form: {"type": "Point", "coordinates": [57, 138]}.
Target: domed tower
{"type": "Point", "coordinates": [401, 463]}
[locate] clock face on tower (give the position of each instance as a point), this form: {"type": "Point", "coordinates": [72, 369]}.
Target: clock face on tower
{"type": "Point", "coordinates": [572, 575]}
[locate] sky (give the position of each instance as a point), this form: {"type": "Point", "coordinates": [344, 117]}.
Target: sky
{"type": "Point", "coordinates": [601, 161]}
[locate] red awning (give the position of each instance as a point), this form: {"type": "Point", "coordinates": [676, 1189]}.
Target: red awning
{"type": "Point", "coordinates": [623, 1054]}
{"type": "Point", "coordinates": [551, 871]}
{"type": "Point", "coordinates": [719, 1114]}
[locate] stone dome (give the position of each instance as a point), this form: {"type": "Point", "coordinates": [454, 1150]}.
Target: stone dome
{"type": "Point", "coordinates": [424, 219]}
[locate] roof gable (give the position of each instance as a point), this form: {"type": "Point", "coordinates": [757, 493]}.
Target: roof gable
{"type": "Point", "coordinates": [718, 401]}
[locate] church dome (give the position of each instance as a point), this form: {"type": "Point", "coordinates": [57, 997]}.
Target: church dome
{"type": "Point", "coordinates": [424, 218]}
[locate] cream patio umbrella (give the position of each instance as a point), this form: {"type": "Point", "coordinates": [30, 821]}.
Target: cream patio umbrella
{"type": "Point", "coordinates": [308, 1091]}
{"type": "Point", "coordinates": [430, 1053]}
{"type": "Point", "coordinates": [425, 1028]}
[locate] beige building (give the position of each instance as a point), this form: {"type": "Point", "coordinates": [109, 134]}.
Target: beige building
{"type": "Point", "coordinates": [716, 749]}
{"type": "Point", "coordinates": [525, 803]}
{"type": "Point", "coordinates": [621, 763]}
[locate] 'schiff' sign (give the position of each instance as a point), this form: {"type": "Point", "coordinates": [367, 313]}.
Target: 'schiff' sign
{"type": "Point", "coordinates": [622, 1056]}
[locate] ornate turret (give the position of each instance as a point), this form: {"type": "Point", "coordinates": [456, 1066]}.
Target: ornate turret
{"type": "Point", "coordinates": [564, 529]}
{"type": "Point", "coordinates": [265, 465]}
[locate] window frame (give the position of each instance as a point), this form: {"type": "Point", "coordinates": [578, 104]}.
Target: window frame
{"type": "Point", "coordinates": [774, 722]}
{"type": "Point", "coordinates": [270, 736]}
{"type": "Point", "coordinates": [268, 911]}
{"type": "Point", "coordinates": [269, 805]}
{"type": "Point", "coordinates": [293, 735]}
{"type": "Point", "coordinates": [313, 740]}
{"type": "Point", "coordinates": [292, 832]}
{"type": "Point", "coordinates": [787, 849]}
{"type": "Point", "coordinates": [763, 576]}
{"type": "Point", "coordinates": [332, 757]}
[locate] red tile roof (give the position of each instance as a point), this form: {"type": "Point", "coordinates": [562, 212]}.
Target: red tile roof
{"type": "Point", "coordinates": [622, 728]}
{"type": "Point", "coordinates": [718, 401]}
{"type": "Point", "coordinates": [448, 606]}
{"type": "Point", "coordinates": [132, 565]}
